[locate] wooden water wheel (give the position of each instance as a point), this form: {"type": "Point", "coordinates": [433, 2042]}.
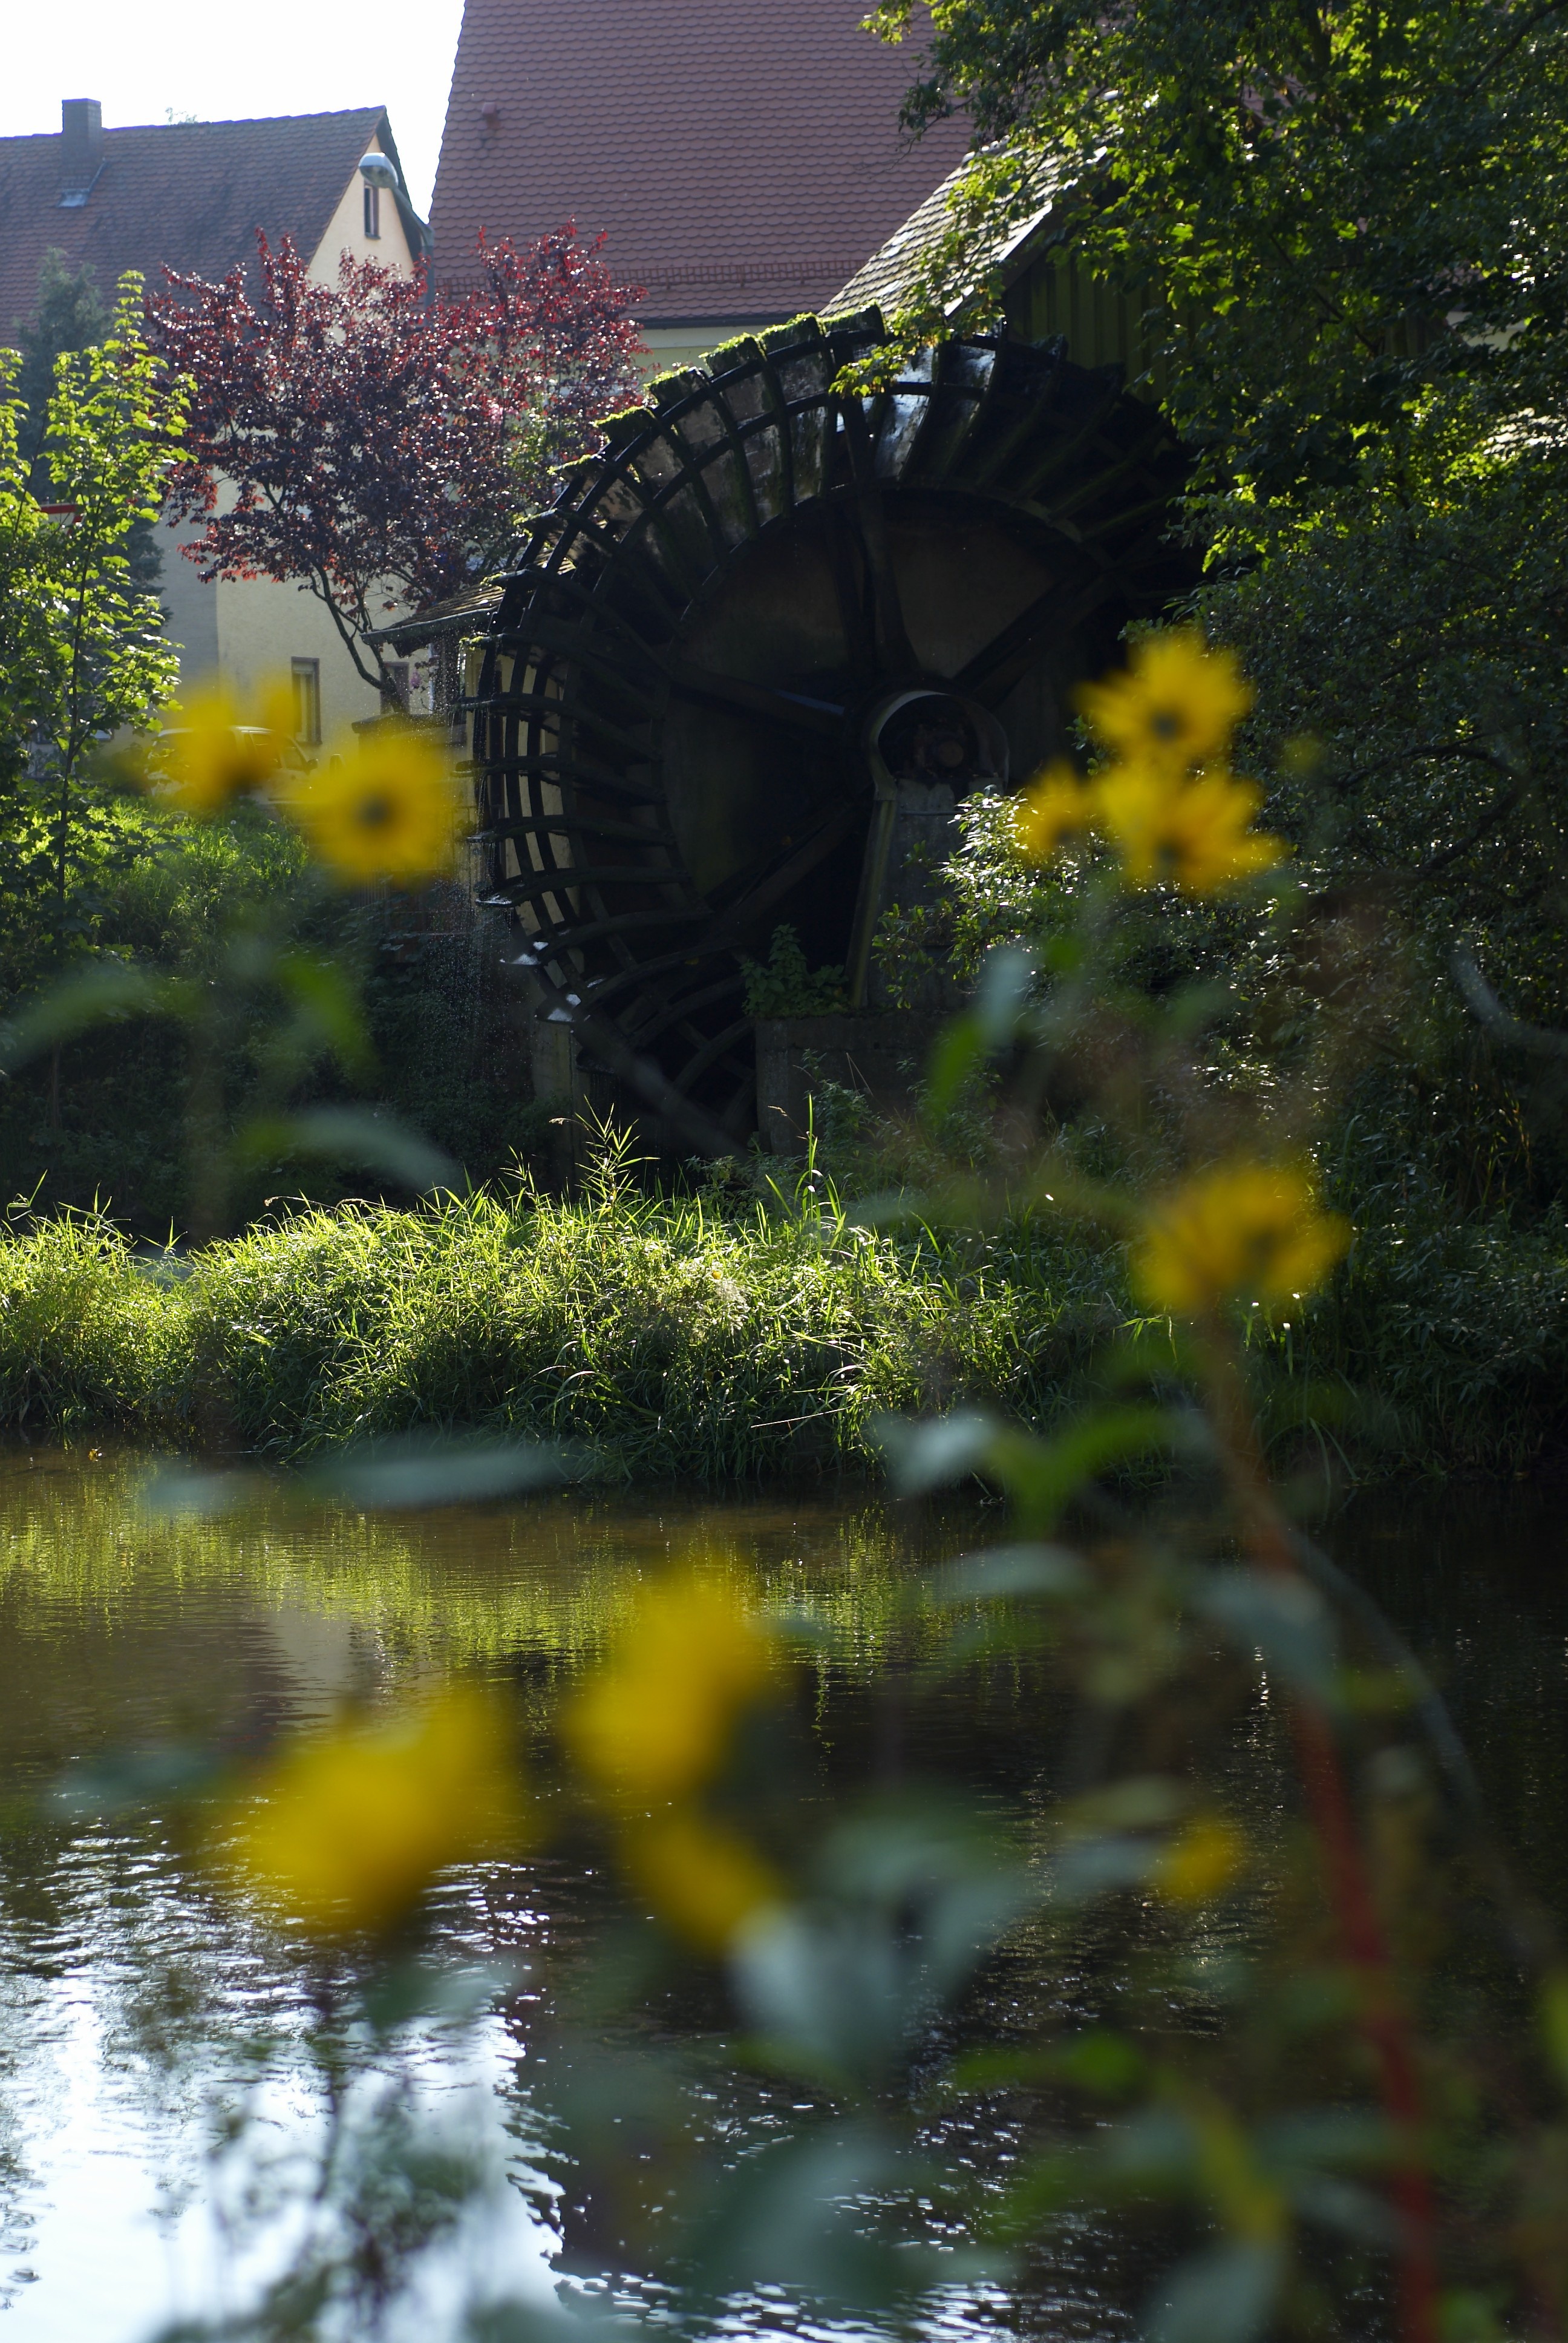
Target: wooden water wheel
{"type": "Point", "coordinates": [765, 606]}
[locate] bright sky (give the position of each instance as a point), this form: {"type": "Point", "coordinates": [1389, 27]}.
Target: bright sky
{"type": "Point", "coordinates": [298, 57]}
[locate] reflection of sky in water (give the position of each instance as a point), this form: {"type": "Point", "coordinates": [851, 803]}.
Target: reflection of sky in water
{"type": "Point", "coordinates": [133, 2003]}
{"type": "Point", "coordinates": [127, 2006]}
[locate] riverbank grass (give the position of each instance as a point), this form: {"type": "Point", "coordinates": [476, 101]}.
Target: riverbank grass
{"type": "Point", "coordinates": [672, 1339]}
{"type": "Point", "coordinates": [675, 1338]}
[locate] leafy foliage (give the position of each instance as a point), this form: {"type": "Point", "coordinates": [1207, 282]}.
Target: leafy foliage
{"type": "Point", "coordinates": [784, 986]}
{"type": "Point", "coordinates": [71, 314]}
{"type": "Point", "coordinates": [82, 651]}
{"type": "Point", "coordinates": [1346, 220]}
{"type": "Point", "coordinates": [376, 439]}
{"type": "Point", "coordinates": [166, 902]}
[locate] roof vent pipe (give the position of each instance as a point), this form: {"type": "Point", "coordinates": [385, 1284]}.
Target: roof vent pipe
{"type": "Point", "coordinates": [81, 148]}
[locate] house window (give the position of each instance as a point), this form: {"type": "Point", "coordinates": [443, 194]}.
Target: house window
{"type": "Point", "coordinates": [372, 210]}
{"type": "Point", "coordinates": [307, 699]}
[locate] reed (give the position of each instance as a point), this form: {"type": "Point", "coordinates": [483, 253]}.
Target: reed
{"type": "Point", "coordinates": [675, 1339]}
{"type": "Point", "coordinates": [683, 1339]}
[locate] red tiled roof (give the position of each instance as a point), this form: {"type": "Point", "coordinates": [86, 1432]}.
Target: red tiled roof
{"type": "Point", "coordinates": [743, 157]}
{"type": "Point", "coordinates": [184, 194]}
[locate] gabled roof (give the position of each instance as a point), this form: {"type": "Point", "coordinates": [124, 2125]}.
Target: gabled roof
{"type": "Point", "coordinates": [742, 156]}
{"type": "Point", "coordinates": [184, 194]}
{"type": "Point", "coordinates": [889, 278]}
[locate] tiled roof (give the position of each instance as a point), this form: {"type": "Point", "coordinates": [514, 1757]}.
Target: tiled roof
{"type": "Point", "coordinates": [743, 157]}
{"type": "Point", "coordinates": [184, 194]}
{"type": "Point", "coordinates": [888, 277]}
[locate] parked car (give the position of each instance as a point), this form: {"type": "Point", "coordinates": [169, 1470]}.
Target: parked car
{"type": "Point", "coordinates": [291, 755]}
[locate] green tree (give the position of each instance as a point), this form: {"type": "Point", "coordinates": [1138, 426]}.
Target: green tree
{"type": "Point", "coordinates": [1346, 222]}
{"type": "Point", "coordinates": [71, 314]}
{"type": "Point", "coordinates": [1347, 216]}
{"type": "Point", "coordinates": [82, 647]}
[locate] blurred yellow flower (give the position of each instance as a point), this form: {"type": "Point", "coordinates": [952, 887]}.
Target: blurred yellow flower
{"type": "Point", "coordinates": [1200, 1860]}
{"type": "Point", "coordinates": [347, 1830]}
{"type": "Point", "coordinates": [1240, 1228]}
{"type": "Point", "coordinates": [703, 1881]}
{"type": "Point", "coordinates": [1176, 705]}
{"type": "Point", "coordinates": [383, 806]}
{"type": "Point", "coordinates": [653, 1721]}
{"type": "Point", "coordinates": [1056, 803]}
{"type": "Point", "coordinates": [214, 747]}
{"type": "Point", "coordinates": [1189, 830]}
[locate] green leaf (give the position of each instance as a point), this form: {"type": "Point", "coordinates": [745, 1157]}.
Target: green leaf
{"type": "Point", "coordinates": [1007, 1572]}
{"type": "Point", "coordinates": [1104, 2063]}
{"type": "Point", "coordinates": [1041, 1475]}
{"type": "Point", "coordinates": [958, 1051]}
{"type": "Point", "coordinates": [331, 1004]}
{"type": "Point", "coordinates": [418, 1472]}
{"type": "Point", "coordinates": [920, 1457]}
{"type": "Point", "coordinates": [1002, 995]}
{"type": "Point", "coordinates": [1225, 2295]}
{"type": "Point", "coordinates": [101, 993]}
{"type": "Point", "coordinates": [348, 1135]}
{"type": "Point", "coordinates": [1283, 1619]}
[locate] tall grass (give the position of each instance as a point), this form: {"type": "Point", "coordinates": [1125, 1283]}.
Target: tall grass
{"type": "Point", "coordinates": [673, 1338]}
{"type": "Point", "coordinates": [679, 1339]}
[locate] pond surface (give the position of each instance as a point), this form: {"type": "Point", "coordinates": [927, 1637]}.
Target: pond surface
{"type": "Point", "coordinates": [139, 2011]}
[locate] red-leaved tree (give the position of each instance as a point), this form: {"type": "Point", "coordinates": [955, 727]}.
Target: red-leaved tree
{"type": "Point", "coordinates": [377, 440]}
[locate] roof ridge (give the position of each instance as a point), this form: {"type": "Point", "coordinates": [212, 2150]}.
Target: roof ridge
{"type": "Point", "coordinates": [187, 196]}
{"type": "Point", "coordinates": [227, 122]}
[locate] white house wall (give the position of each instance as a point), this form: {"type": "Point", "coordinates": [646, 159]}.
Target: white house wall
{"type": "Point", "coordinates": [670, 348]}
{"type": "Point", "coordinates": [346, 233]}
{"type": "Point", "coordinates": [248, 631]}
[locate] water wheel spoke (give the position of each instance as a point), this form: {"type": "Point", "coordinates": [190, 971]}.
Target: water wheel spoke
{"type": "Point", "coordinates": [992, 672]}
{"type": "Point", "coordinates": [890, 637]}
{"type": "Point", "coordinates": [846, 559]}
{"type": "Point", "coordinates": [822, 717]}
{"type": "Point", "coordinates": [730, 929]}
{"type": "Point", "coordinates": [893, 650]}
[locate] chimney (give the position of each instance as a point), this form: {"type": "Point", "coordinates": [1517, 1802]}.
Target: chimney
{"type": "Point", "coordinates": [81, 148]}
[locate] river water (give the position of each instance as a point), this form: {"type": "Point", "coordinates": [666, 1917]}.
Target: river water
{"type": "Point", "coordinates": [160, 2094]}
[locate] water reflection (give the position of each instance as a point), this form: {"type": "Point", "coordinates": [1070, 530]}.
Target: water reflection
{"type": "Point", "coordinates": [140, 2015]}
{"type": "Point", "coordinates": [140, 2012]}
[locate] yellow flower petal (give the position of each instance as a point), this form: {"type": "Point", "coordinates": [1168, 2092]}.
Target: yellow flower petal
{"type": "Point", "coordinates": [1190, 831]}
{"type": "Point", "coordinates": [1056, 803]}
{"type": "Point", "coordinates": [704, 1881]}
{"type": "Point", "coordinates": [1200, 1860]}
{"type": "Point", "coordinates": [1242, 1228]}
{"type": "Point", "coordinates": [214, 749]}
{"type": "Point", "coordinates": [347, 1830]}
{"type": "Point", "coordinates": [383, 806]}
{"type": "Point", "coordinates": [655, 1720]}
{"type": "Point", "coordinates": [1176, 705]}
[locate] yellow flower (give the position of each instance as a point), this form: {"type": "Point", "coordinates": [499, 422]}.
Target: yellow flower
{"type": "Point", "coordinates": [1056, 803]}
{"type": "Point", "coordinates": [379, 807]}
{"type": "Point", "coordinates": [347, 1830]}
{"type": "Point", "coordinates": [1240, 1228]}
{"type": "Point", "coordinates": [1176, 705]}
{"type": "Point", "coordinates": [704, 1881]}
{"type": "Point", "coordinates": [215, 748]}
{"type": "Point", "coordinates": [1201, 1859]}
{"type": "Point", "coordinates": [652, 1722]}
{"type": "Point", "coordinates": [1190, 831]}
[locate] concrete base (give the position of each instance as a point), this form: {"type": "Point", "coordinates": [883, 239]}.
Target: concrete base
{"type": "Point", "coordinates": [881, 1054]}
